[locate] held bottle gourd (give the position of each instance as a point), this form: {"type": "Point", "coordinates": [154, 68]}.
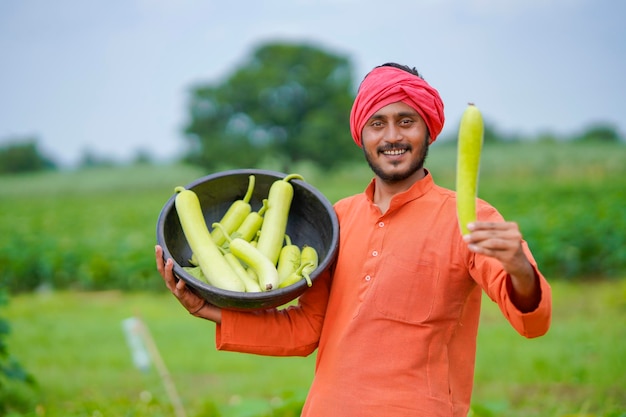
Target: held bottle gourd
{"type": "Point", "coordinates": [470, 141]}
{"type": "Point", "coordinates": [211, 261]}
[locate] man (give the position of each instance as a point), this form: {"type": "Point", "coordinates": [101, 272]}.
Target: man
{"type": "Point", "coordinates": [395, 320]}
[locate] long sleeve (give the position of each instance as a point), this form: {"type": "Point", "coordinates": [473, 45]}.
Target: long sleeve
{"type": "Point", "coordinates": [290, 331]}
{"type": "Point", "coordinates": [496, 283]}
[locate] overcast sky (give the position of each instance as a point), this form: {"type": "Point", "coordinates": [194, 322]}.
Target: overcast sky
{"type": "Point", "coordinates": [113, 77]}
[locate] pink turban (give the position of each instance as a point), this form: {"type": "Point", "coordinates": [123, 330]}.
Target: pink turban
{"type": "Point", "coordinates": [386, 85]}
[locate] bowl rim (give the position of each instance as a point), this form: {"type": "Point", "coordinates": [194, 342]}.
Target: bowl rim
{"type": "Point", "coordinates": [251, 297]}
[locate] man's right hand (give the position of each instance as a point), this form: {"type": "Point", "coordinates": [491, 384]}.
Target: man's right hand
{"type": "Point", "coordinates": [193, 303]}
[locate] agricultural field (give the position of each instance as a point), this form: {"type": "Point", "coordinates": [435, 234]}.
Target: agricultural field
{"type": "Point", "coordinates": [74, 345]}
{"type": "Point", "coordinates": [94, 229]}
{"type": "Point", "coordinates": [77, 258]}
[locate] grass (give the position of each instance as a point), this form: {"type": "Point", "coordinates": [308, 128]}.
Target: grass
{"type": "Point", "coordinates": [577, 369]}
{"type": "Point", "coordinates": [74, 345]}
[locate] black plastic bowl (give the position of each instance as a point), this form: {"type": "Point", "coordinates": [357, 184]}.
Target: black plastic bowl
{"type": "Point", "coordinates": [312, 221]}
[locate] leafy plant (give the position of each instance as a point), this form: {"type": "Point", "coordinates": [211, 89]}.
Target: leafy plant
{"type": "Point", "coordinates": [12, 374]}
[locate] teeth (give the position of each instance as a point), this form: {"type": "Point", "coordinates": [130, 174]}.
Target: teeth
{"type": "Point", "coordinates": [395, 152]}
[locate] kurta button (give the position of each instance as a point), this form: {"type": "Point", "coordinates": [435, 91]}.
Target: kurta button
{"type": "Point", "coordinates": [381, 224]}
{"type": "Point", "coordinates": [375, 253]}
{"type": "Point", "coordinates": [367, 277]}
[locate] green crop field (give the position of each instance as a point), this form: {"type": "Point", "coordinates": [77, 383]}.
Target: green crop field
{"type": "Point", "coordinates": [77, 259]}
{"type": "Point", "coordinates": [94, 229]}
{"type": "Point", "coordinates": [74, 345]}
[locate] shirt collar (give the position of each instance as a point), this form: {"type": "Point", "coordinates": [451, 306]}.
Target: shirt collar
{"type": "Point", "coordinates": [418, 189]}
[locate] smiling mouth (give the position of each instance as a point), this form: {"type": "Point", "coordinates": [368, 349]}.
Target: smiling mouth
{"type": "Point", "coordinates": [394, 152]}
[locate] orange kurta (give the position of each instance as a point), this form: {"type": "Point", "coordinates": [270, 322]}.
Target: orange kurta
{"type": "Point", "coordinates": [395, 325]}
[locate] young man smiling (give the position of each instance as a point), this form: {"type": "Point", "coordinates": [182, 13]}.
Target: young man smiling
{"type": "Point", "coordinates": [395, 144]}
{"type": "Point", "coordinates": [395, 320]}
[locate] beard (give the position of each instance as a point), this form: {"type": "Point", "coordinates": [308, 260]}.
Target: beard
{"type": "Point", "coordinates": [395, 177]}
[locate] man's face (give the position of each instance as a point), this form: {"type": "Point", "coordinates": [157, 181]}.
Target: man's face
{"type": "Point", "coordinates": [395, 142]}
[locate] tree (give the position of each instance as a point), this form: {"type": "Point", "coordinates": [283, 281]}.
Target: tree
{"type": "Point", "coordinates": [23, 155]}
{"type": "Point", "coordinates": [287, 102]}
{"type": "Point", "coordinates": [600, 133]}
{"type": "Point", "coordinates": [91, 159]}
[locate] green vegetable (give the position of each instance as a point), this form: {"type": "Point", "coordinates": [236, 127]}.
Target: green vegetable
{"type": "Point", "coordinates": [235, 215]}
{"type": "Point", "coordinates": [274, 225]}
{"type": "Point", "coordinates": [288, 259]}
{"type": "Point", "coordinates": [470, 143]}
{"type": "Point", "coordinates": [251, 225]}
{"type": "Point", "coordinates": [251, 284]}
{"type": "Point", "coordinates": [196, 272]}
{"type": "Point", "coordinates": [308, 264]}
{"type": "Point", "coordinates": [254, 259]}
{"type": "Point", "coordinates": [310, 258]}
{"type": "Point", "coordinates": [295, 276]}
{"type": "Point", "coordinates": [214, 267]}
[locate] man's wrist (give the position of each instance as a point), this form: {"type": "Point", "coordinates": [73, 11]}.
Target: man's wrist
{"type": "Point", "coordinates": [195, 312]}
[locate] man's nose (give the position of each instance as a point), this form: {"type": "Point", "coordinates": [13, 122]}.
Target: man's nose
{"type": "Point", "coordinates": [393, 133]}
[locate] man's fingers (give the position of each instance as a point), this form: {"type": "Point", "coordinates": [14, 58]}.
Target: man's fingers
{"type": "Point", "coordinates": [502, 231]}
{"type": "Point", "coordinates": [158, 252]}
{"type": "Point", "coordinates": [177, 287]}
{"type": "Point", "coordinates": [167, 273]}
{"type": "Point", "coordinates": [500, 240]}
{"type": "Point", "coordinates": [492, 226]}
